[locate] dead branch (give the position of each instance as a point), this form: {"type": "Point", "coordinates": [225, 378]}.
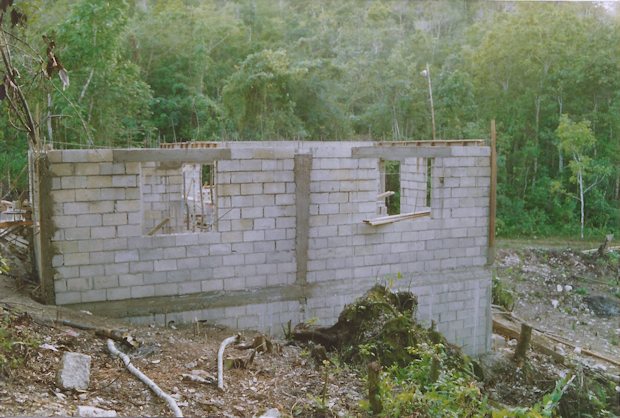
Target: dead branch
{"type": "Point", "coordinates": [144, 379]}
{"type": "Point", "coordinates": [220, 359]}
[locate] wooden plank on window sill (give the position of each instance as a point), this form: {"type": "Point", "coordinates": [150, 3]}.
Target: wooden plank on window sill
{"type": "Point", "coordinates": [383, 220]}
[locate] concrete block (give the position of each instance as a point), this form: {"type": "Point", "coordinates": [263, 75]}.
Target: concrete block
{"type": "Point", "coordinates": [126, 255]}
{"type": "Point", "coordinates": [165, 289]}
{"type": "Point", "coordinates": [116, 268]}
{"type": "Point", "coordinates": [113, 194]}
{"type": "Point", "coordinates": [74, 372]}
{"type": "Point", "coordinates": [165, 265]}
{"type": "Point", "coordinates": [103, 232]}
{"type": "Point", "coordinates": [213, 285]}
{"type": "Point", "coordinates": [110, 219]}
{"type": "Point", "coordinates": [105, 282]}
{"type": "Point", "coordinates": [234, 283]}
{"type": "Point", "coordinates": [143, 291]}
{"type": "Point", "coordinates": [76, 259]}
{"type": "Point", "coordinates": [124, 181]}
{"type": "Point", "coordinates": [91, 270]}
{"type": "Point", "coordinates": [252, 212]}
{"type": "Point", "coordinates": [75, 208]}
{"type": "Point", "coordinates": [67, 298]}
{"type": "Point", "coordinates": [88, 220]}
{"type": "Point", "coordinates": [141, 266]}
{"type": "Point", "coordinates": [97, 295]}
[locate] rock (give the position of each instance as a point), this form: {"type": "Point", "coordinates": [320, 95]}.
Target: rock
{"type": "Point", "coordinates": [74, 372]}
{"type": "Point", "coordinates": [271, 413]}
{"type": "Point", "coordinates": [559, 287]}
{"type": "Point", "coordinates": [568, 288]}
{"type": "Point", "coordinates": [555, 303]}
{"type": "Point", "coordinates": [93, 411]}
{"type": "Point", "coordinates": [603, 305]}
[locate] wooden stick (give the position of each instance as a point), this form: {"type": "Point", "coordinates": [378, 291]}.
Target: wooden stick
{"type": "Point", "coordinates": [220, 359]}
{"type": "Point", "coordinates": [144, 379]}
{"type": "Point", "coordinates": [385, 194]}
{"type": "Point", "coordinates": [158, 227]}
{"type": "Point", "coordinates": [492, 195]}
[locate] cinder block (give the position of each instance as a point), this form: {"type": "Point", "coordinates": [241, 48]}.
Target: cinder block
{"type": "Point", "coordinates": [113, 194]}
{"type": "Point", "coordinates": [103, 232]}
{"type": "Point", "coordinates": [165, 265]}
{"type": "Point", "coordinates": [67, 298]}
{"type": "Point", "coordinates": [88, 220]}
{"type": "Point", "coordinates": [141, 266]}
{"type": "Point", "coordinates": [94, 295]}
{"type": "Point", "coordinates": [76, 259]}
{"type": "Point", "coordinates": [118, 293]}
{"type": "Point", "coordinates": [124, 181]}
{"type": "Point", "coordinates": [79, 284]}
{"type": "Point", "coordinates": [234, 283]}
{"type": "Point", "coordinates": [91, 270]}
{"type": "Point", "coordinates": [98, 182]}
{"type": "Point", "coordinates": [165, 289]}
{"type": "Point", "coordinates": [142, 291]}
{"type": "Point", "coordinates": [105, 282]}
{"type": "Point", "coordinates": [116, 268]}
{"type": "Point", "coordinates": [75, 208]}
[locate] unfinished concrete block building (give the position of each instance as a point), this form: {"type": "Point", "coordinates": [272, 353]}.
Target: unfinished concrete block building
{"type": "Point", "coordinates": [254, 234]}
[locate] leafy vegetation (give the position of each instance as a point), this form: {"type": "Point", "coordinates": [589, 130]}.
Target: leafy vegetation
{"type": "Point", "coordinates": [145, 71]}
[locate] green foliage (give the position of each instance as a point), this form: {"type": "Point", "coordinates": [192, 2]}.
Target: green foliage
{"type": "Point", "coordinates": [501, 295]}
{"type": "Point", "coordinates": [16, 342]}
{"type": "Point", "coordinates": [151, 71]}
{"type": "Point", "coordinates": [431, 386]}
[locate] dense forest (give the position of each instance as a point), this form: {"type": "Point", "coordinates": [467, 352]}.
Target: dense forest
{"type": "Point", "coordinates": [149, 71]}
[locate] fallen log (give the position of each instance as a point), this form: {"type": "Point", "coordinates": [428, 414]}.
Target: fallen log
{"type": "Point", "coordinates": [144, 379]}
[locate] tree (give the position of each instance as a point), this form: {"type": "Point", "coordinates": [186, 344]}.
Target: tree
{"type": "Point", "coordinates": [577, 141]}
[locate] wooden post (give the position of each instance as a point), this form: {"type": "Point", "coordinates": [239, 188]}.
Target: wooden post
{"type": "Point", "coordinates": [374, 397]}
{"type": "Point", "coordinates": [492, 196]}
{"type": "Point", "coordinates": [523, 344]}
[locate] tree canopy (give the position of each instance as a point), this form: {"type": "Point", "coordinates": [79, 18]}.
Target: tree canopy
{"type": "Point", "coordinates": [148, 71]}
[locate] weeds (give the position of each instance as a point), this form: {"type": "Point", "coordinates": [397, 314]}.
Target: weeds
{"type": "Point", "coordinates": [502, 295]}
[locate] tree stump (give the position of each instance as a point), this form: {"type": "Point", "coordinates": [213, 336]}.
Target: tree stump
{"type": "Point", "coordinates": [374, 395]}
{"type": "Point", "coordinates": [523, 345]}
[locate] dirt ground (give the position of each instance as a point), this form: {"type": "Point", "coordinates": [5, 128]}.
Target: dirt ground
{"type": "Point", "coordinates": [569, 294]}
{"type": "Point", "coordinates": [290, 380]}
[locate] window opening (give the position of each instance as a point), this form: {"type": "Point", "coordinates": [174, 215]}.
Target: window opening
{"type": "Point", "coordinates": [199, 196]}
{"type": "Point", "coordinates": [390, 175]}
{"type": "Point", "coordinates": [429, 182]}
{"type": "Point", "coordinates": [178, 198]}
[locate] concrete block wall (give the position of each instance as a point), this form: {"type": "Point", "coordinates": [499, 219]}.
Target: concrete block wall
{"type": "Point", "coordinates": [245, 272]}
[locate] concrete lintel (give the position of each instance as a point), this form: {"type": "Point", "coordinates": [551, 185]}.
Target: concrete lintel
{"type": "Point", "coordinates": [186, 155]}
{"type": "Point", "coordinates": [197, 301]}
{"type": "Point", "coordinates": [401, 152]}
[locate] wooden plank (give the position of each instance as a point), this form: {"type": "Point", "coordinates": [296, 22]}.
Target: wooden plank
{"type": "Point", "coordinates": [185, 155]}
{"type": "Point", "coordinates": [383, 220]}
{"type": "Point", "coordinates": [492, 196]}
{"type": "Point", "coordinates": [401, 152]}
{"type": "Point", "coordinates": [538, 343]}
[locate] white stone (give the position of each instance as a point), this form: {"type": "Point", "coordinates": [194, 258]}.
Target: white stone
{"type": "Point", "coordinates": [74, 372]}
{"type": "Point", "coordinates": [271, 413]}
{"type": "Point", "coordinates": [92, 411]}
